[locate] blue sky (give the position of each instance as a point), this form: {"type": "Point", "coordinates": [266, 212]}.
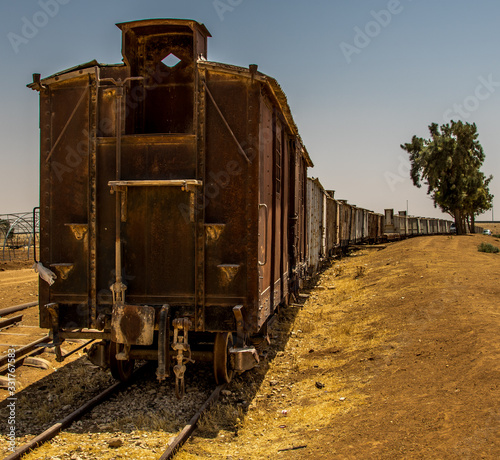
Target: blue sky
{"type": "Point", "coordinates": [361, 78]}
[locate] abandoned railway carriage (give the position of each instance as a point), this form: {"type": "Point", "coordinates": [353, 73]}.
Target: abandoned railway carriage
{"type": "Point", "coordinates": [172, 204]}
{"type": "Point", "coordinates": [175, 209]}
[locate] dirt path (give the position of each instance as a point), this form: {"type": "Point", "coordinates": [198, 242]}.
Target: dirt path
{"type": "Point", "coordinates": [17, 287]}
{"type": "Point", "coordinates": [437, 394]}
{"type": "Point", "coordinates": [394, 355]}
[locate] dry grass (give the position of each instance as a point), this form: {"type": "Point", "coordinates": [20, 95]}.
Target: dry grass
{"type": "Point", "coordinates": [317, 343]}
{"type": "Point", "coordinates": [63, 392]}
{"type": "Point", "coordinates": [163, 420]}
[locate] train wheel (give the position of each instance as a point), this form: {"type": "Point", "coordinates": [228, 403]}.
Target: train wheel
{"type": "Point", "coordinates": [120, 370]}
{"type": "Point", "coordinates": [223, 371]}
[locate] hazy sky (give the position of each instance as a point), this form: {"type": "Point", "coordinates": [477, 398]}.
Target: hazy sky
{"type": "Point", "coordinates": [361, 78]}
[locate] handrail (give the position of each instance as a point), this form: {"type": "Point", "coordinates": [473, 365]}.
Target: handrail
{"type": "Point", "coordinates": [262, 205]}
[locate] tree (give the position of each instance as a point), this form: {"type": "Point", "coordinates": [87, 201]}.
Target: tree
{"type": "Point", "coordinates": [449, 163]}
{"type": "Point", "coordinates": [479, 197]}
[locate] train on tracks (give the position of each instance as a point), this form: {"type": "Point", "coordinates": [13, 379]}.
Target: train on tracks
{"type": "Point", "coordinates": [176, 212]}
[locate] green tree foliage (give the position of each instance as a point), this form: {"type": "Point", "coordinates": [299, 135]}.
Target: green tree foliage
{"type": "Point", "coordinates": [449, 163]}
{"type": "Point", "coordinates": [479, 197]}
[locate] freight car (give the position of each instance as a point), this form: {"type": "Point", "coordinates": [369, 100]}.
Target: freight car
{"type": "Point", "coordinates": [172, 204]}
{"type": "Point", "coordinates": [333, 225]}
{"type": "Point", "coordinates": [175, 210]}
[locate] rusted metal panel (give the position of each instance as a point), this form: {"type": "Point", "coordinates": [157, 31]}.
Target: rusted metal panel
{"type": "Point", "coordinates": [296, 214]}
{"type": "Point", "coordinates": [389, 225]}
{"type": "Point", "coordinates": [403, 224]}
{"type": "Point", "coordinates": [323, 251]}
{"type": "Point", "coordinates": [399, 226]}
{"type": "Point", "coordinates": [315, 225]}
{"type": "Point", "coordinates": [412, 225]}
{"type": "Point", "coordinates": [301, 210]}
{"type": "Point", "coordinates": [359, 225]}
{"type": "Point", "coordinates": [229, 197]}
{"type": "Point", "coordinates": [285, 216]}
{"type": "Point", "coordinates": [64, 188]}
{"type": "Point", "coordinates": [424, 226]}
{"type": "Point", "coordinates": [345, 223]}
{"type": "Point", "coordinates": [332, 226]}
{"type": "Point", "coordinates": [380, 227]}
{"type": "Point", "coordinates": [266, 214]}
{"type": "Point", "coordinates": [191, 173]}
{"type": "Point", "coordinates": [133, 325]}
{"type": "Point", "coordinates": [354, 224]}
{"type": "Point", "coordinates": [365, 231]}
{"type": "Point", "coordinates": [278, 230]}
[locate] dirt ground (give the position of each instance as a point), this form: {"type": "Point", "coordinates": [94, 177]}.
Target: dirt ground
{"type": "Point", "coordinates": [17, 286]}
{"type": "Point", "coordinates": [495, 228]}
{"type": "Point", "coordinates": [393, 355]}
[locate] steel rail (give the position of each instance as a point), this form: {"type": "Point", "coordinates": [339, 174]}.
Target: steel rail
{"type": "Point", "coordinates": [186, 432]}
{"type": "Point", "coordinates": [10, 321]}
{"type": "Point", "coordinates": [31, 349]}
{"type": "Point", "coordinates": [8, 310]}
{"type": "Point", "coordinates": [51, 432]}
{"type": "Point", "coordinates": [23, 352]}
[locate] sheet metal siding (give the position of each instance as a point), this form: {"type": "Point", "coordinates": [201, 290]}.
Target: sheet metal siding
{"type": "Point", "coordinates": [278, 209]}
{"type": "Point", "coordinates": [345, 224]}
{"type": "Point", "coordinates": [231, 197]}
{"type": "Point", "coordinates": [315, 221]}
{"type": "Point", "coordinates": [332, 226]}
{"type": "Point", "coordinates": [266, 210]}
{"type": "Point", "coordinates": [193, 251]}
{"type": "Point", "coordinates": [65, 197]}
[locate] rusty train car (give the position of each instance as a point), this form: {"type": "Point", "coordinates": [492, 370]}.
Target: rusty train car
{"type": "Point", "coordinates": [334, 225]}
{"type": "Point", "coordinates": [175, 210]}
{"type": "Point", "coordinates": [172, 204]}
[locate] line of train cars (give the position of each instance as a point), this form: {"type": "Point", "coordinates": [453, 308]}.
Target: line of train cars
{"type": "Point", "coordinates": [175, 210]}
{"type": "Point", "coordinates": [334, 225]}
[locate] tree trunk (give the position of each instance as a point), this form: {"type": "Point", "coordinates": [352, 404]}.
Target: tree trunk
{"type": "Point", "coordinates": [459, 222]}
{"type": "Point", "coordinates": [472, 224]}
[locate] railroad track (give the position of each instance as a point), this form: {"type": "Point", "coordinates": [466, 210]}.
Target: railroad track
{"type": "Point", "coordinates": [25, 354]}
{"type": "Point", "coordinates": [15, 354]}
{"type": "Point", "coordinates": [170, 448]}
{"type": "Point", "coordinates": [11, 331]}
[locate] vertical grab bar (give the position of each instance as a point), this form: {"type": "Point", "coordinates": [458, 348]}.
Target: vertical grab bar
{"type": "Point", "coordinates": [265, 240]}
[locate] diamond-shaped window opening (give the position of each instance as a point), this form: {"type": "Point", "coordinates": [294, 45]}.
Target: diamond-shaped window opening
{"type": "Point", "coordinates": [171, 60]}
